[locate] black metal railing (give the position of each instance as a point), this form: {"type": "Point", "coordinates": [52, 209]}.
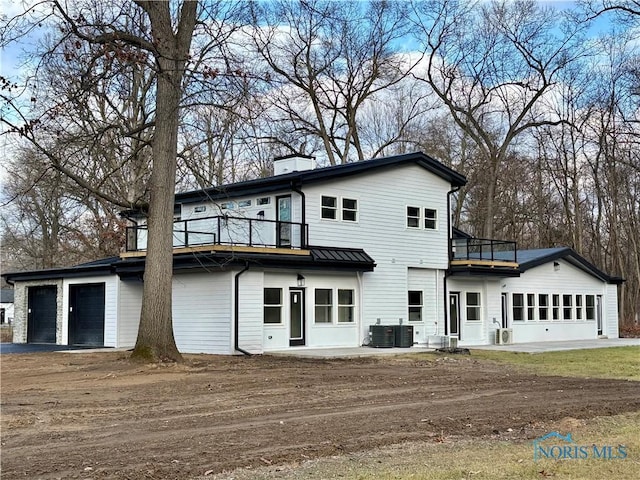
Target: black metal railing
{"type": "Point", "coordinates": [227, 230]}
{"type": "Point", "coordinates": [483, 249]}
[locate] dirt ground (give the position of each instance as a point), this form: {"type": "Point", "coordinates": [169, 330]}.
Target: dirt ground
{"type": "Point", "coordinates": [95, 415]}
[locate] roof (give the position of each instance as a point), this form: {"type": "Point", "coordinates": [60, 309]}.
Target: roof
{"type": "Point", "coordinates": [335, 259]}
{"type": "Point", "coordinates": [6, 295]}
{"type": "Point", "coordinates": [299, 178]}
{"type": "Point", "coordinates": [535, 257]}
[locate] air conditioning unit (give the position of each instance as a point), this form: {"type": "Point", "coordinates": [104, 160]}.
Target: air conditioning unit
{"type": "Point", "coordinates": [448, 342]}
{"type": "Point", "coordinates": [504, 336]}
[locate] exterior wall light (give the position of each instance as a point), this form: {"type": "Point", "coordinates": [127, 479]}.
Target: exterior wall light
{"type": "Point", "coordinates": [300, 280]}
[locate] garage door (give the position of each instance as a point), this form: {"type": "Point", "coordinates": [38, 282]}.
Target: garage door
{"type": "Point", "coordinates": [86, 314]}
{"type": "Point", "coordinates": [41, 322]}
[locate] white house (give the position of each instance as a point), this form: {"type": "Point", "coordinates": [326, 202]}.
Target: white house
{"type": "Point", "coordinates": [314, 258]}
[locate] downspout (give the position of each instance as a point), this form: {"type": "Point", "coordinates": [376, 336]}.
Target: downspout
{"type": "Point", "coordinates": [298, 190]}
{"type": "Point", "coordinates": [450, 257]}
{"type": "Point", "coordinates": [236, 319]}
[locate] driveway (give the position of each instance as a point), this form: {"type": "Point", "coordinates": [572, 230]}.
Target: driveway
{"type": "Point", "coordinates": [37, 347]}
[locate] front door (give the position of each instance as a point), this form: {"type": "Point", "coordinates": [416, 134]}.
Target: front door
{"type": "Point", "coordinates": [599, 313]}
{"type": "Point", "coordinates": [283, 218]}
{"type": "Point", "coordinates": [86, 314]}
{"type": "Point", "coordinates": [296, 318]}
{"type": "Point", "coordinates": [505, 309]}
{"type": "Point", "coordinates": [42, 314]}
{"type": "Point", "coordinates": [454, 314]}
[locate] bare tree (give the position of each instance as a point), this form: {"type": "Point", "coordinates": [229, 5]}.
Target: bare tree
{"type": "Point", "coordinates": [492, 65]}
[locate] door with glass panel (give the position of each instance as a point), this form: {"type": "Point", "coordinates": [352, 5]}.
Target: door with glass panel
{"type": "Point", "coordinates": [454, 314]}
{"type": "Point", "coordinates": [296, 318]}
{"type": "Point", "coordinates": [283, 221]}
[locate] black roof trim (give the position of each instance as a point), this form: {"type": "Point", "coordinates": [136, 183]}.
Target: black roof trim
{"type": "Point", "coordinates": [287, 180]}
{"type": "Point", "coordinates": [573, 257]}
{"type": "Point", "coordinates": [103, 266]}
{"type": "Point", "coordinates": [457, 233]}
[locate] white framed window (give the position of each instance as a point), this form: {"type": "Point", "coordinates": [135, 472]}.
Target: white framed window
{"type": "Point", "coordinates": [349, 210]}
{"type": "Point", "coordinates": [323, 305]}
{"type": "Point", "coordinates": [272, 305]}
{"type": "Point", "coordinates": [263, 201]}
{"type": "Point", "coordinates": [329, 208]}
{"type": "Point", "coordinates": [473, 306]}
{"type": "Point", "coordinates": [346, 306]}
{"type": "Point", "coordinates": [430, 218]}
{"type": "Point", "coordinates": [413, 217]}
{"type": "Point", "coordinates": [567, 307]}
{"type": "Point", "coordinates": [543, 306]}
{"type": "Point", "coordinates": [556, 307]}
{"type": "Point", "coordinates": [578, 307]}
{"type": "Point", "coordinates": [590, 303]}
{"type": "Point", "coordinates": [415, 305]}
{"type": "Point", "coordinates": [531, 307]}
{"type": "Point", "coordinates": [228, 205]}
{"type": "Point", "coordinates": [517, 303]}
{"type": "Point", "coordinates": [200, 209]}
{"type": "Point", "coordinates": [244, 203]}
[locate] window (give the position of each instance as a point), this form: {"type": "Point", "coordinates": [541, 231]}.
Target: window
{"type": "Point", "coordinates": [244, 203]}
{"type": "Point", "coordinates": [517, 301]}
{"type": "Point", "coordinates": [200, 209]}
{"type": "Point", "coordinates": [349, 210]}
{"type": "Point", "coordinates": [413, 217]}
{"type": "Point", "coordinates": [227, 205]}
{"type": "Point", "coordinates": [415, 305]}
{"type": "Point", "coordinates": [473, 306]}
{"type": "Point", "coordinates": [591, 307]}
{"type": "Point", "coordinates": [578, 307]}
{"type": "Point", "coordinates": [263, 201]}
{"type": "Point", "coordinates": [324, 305]}
{"type": "Point", "coordinates": [543, 306]}
{"type": "Point", "coordinates": [329, 207]}
{"type": "Point", "coordinates": [345, 306]}
{"type": "Point", "coordinates": [556, 307]}
{"type": "Point", "coordinates": [430, 218]}
{"type": "Point", "coordinates": [272, 305]}
{"type": "Point", "coordinates": [567, 304]}
{"type": "Point", "coordinates": [531, 307]}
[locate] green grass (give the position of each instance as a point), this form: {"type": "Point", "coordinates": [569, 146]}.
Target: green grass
{"type": "Point", "coordinates": [618, 362]}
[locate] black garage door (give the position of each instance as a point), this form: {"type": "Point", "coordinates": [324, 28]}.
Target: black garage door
{"type": "Point", "coordinates": [41, 322]}
{"type": "Point", "coordinates": [86, 314]}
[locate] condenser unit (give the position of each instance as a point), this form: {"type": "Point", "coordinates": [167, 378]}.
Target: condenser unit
{"type": "Point", "coordinates": [504, 336]}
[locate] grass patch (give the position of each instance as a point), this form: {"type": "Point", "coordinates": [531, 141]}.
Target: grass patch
{"type": "Point", "coordinates": [617, 362]}
{"type": "Point", "coordinates": [474, 459]}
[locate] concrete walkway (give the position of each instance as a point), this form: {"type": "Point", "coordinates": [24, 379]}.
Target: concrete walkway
{"type": "Point", "coordinates": [538, 347]}
{"type": "Point", "coordinates": [535, 347]}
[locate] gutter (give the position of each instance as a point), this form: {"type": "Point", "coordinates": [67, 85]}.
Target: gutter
{"type": "Point", "coordinates": [236, 313]}
{"type": "Point", "coordinates": [450, 257]}
{"type": "Point", "coordinates": [298, 190]}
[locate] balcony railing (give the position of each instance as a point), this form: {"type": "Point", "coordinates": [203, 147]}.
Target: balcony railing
{"type": "Point", "coordinates": [227, 230]}
{"type": "Point", "coordinates": [483, 250]}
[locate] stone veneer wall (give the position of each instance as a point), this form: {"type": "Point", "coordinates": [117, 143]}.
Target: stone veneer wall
{"type": "Point", "coordinates": [21, 301]}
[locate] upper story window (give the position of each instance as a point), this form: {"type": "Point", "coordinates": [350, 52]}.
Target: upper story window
{"type": "Point", "coordinates": [228, 205]}
{"type": "Point", "coordinates": [200, 209]}
{"type": "Point", "coordinates": [418, 217]}
{"type": "Point", "coordinates": [349, 210]}
{"type": "Point", "coordinates": [329, 207]}
{"type": "Point", "coordinates": [263, 201]}
{"type": "Point", "coordinates": [413, 217]}
{"type": "Point", "coordinates": [335, 208]}
{"type": "Point", "coordinates": [244, 203]}
{"type": "Point", "coordinates": [430, 218]}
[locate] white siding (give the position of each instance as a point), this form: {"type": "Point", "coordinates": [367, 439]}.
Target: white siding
{"type": "Point", "coordinates": [250, 311]}
{"type": "Point", "coordinates": [202, 312]}
{"type": "Point", "coordinates": [473, 332]}
{"type": "Point", "coordinates": [429, 281]}
{"type": "Point", "coordinates": [610, 312]}
{"type": "Point", "coordinates": [565, 279]}
{"type": "Point", "coordinates": [110, 307]}
{"type": "Point", "coordinates": [129, 308]}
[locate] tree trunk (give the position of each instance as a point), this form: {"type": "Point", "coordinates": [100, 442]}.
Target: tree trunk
{"type": "Point", "coordinates": [155, 334]}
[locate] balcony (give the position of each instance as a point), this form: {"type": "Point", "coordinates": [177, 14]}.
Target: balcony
{"type": "Point", "coordinates": [225, 233]}
{"type": "Point", "coordinates": [483, 256]}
